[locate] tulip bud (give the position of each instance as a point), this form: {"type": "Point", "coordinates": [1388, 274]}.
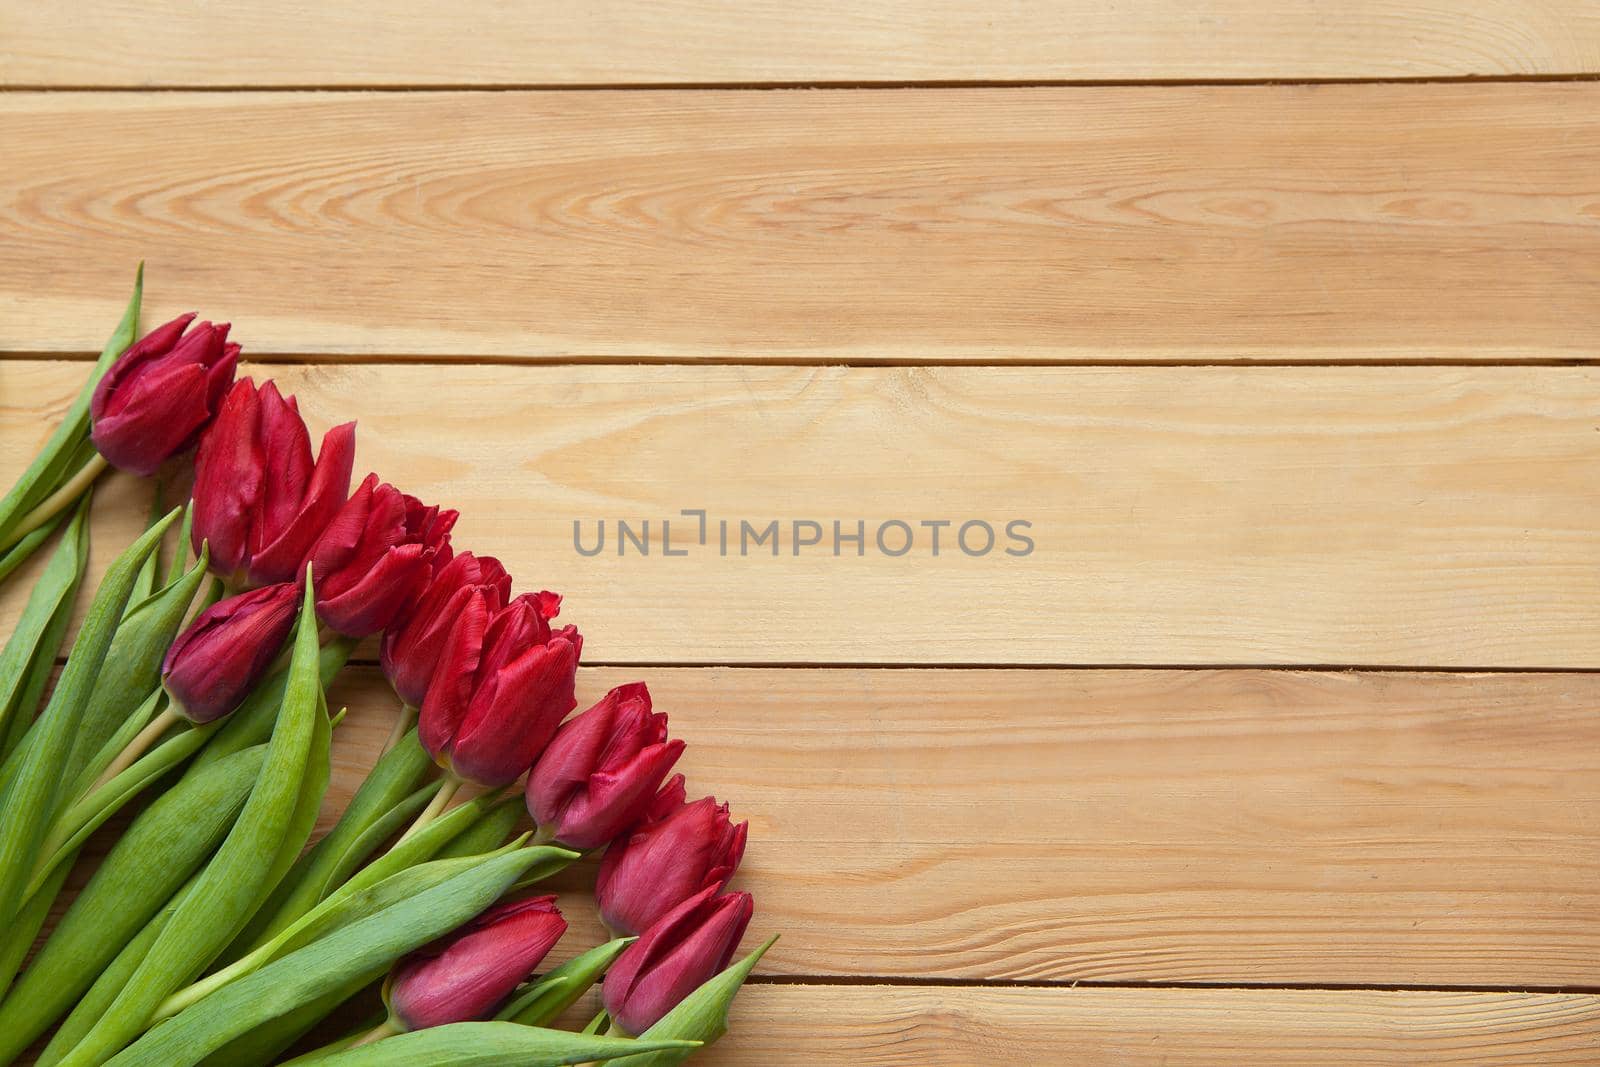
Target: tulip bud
{"type": "Point", "coordinates": [375, 557]}
{"type": "Point", "coordinates": [501, 686]}
{"type": "Point", "coordinates": [600, 774]}
{"type": "Point", "coordinates": [464, 976]}
{"type": "Point", "coordinates": [675, 956]}
{"type": "Point", "coordinates": [160, 393]}
{"type": "Point", "coordinates": [217, 661]}
{"type": "Point", "coordinates": [412, 646]}
{"type": "Point", "coordinates": [677, 851]}
{"type": "Point", "coordinates": [259, 502]}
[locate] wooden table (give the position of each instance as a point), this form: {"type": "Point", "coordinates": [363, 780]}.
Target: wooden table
{"type": "Point", "coordinates": [1278, 324]}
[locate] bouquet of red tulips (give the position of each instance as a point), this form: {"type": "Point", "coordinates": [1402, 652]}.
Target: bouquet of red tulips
{"type": "Point", "coordinates": [209, 932]}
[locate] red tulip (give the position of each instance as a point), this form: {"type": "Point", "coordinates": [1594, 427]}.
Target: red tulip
{"type": "Point", "coordinates": [679, 850]}
{"type": "Point", "coordinates": [600, 774]}
{"type": "Point", "coordinates": [465, 976]}
{"type": "Point", "coordinates": [159, 394]}
{"type": "Point", "coordinates": [681, 951]}
{"type": "Point", "coordinates": [259, 502]}
{"type": "Point", "coordinates": [412, 646]}
{"type": "Point", "coordinates": [376, 556]}
{"type": "Point", "coordinates": [219, 658]}
{"type": "Point", "coordinates": [501, 687]}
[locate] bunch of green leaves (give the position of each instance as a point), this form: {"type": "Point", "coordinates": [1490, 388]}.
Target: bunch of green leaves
{"type": "Point", "coordinates": [263, 843]}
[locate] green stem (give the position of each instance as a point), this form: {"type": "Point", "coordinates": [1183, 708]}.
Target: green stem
{"type": "Point", "coordinates": [402, 723]}
{"type": "Point", "coordinates": [211, 983]}
{"type": "Point", "coordinates": [67, 823]}
{"type": "Point", "coordinates": [436, 806]}
{"type": "Point", "coordinates": [165, 720]}
{"type": "Point", "coordinates": [52, 505]}
{"type": "Point", "coordinates": [387, 1028]}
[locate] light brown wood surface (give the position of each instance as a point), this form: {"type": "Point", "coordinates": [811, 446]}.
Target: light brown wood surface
{"type": "Point", "coordinates": [878, 1026]}
{"type": "Point", "coordinates": [1238, 827]}
{"type": "Point", "coordinates": [1350, 222]}
{"type": "Point", "coordinates": [1357, 515]}
{"type": "Point", "coordinates": [595, 303]}
{"type": "Point", "coordinates": [482, 42]}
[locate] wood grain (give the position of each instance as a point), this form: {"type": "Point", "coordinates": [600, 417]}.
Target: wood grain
{"type": "Point", "coordinates": [877, 1026]}
{"type": "Point", "coordinates": [1199, 826]}
{"type": "Point", "coordinates": [1353, 222]}
{"type": "Point", "coordinates": [1285, 515]}
{"type": "Point", "coordinates": [481, 42]}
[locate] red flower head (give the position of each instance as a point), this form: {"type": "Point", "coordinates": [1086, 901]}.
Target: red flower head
{"type": "Point", "coordinates": [464, 976]}
{"type": "Point", "coordinates": [680, 952]}
{"type": "Point", "coordinates": [259, 502]}
{"type": "Point", "coordinates": [411, 647]}
{"type": "Point", "coordinates": [679, 850]}
{"type": "Point", "coordinates": [501, 687]}
{"type": "Point", "coordinates": [217, 661]}
{"type": "Point", "coordinates": [600, 774]}
{"type": "Point", "coordinates": [159, 394]}
{"type": "Point", "coordinates": [376, 556]}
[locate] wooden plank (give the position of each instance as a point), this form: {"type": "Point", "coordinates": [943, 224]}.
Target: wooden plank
{"type": "Point", "coordinates": [1285, 515]}
{"type": "Point", "coordinates": [1059, 224]}
{"type": "Point", "coordinates": [879, 1026]}
{"type": "Point", "coordinates": [480, 42]}
{"type": "Point", "coordinates": [1197, 826]}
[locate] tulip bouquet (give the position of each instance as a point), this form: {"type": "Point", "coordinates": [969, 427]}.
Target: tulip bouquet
{"type": "Point", "coordinates": [210, 933]}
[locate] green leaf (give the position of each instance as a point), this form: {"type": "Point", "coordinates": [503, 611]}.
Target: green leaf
{"type": "Point", "coordinates": [25, 928]}
{"type": "Point", "coordinates": [180, 551]}
{"type": "Point", "coordinates": [16, 555]}
{"type": "Point", "coordinates": [490, 831]}
{"type": "Point", "coordinates": [251, 722]}
{"type": "Point", "coordinates": [234, 883]}
{"type": "Point", "coordinates": [420, 846]}
{"type": "Point", "coordinates": [387, 827]}
{"type": "Point", "coordinates": [129, 730]}
{"type": "Point", "coordinates": [700, 1016]}
{"type": "Point", "coordinates": [31, 651]}
{"type": "Point", "coordinates": [86, 1014]}
{"type": "Point", "coordinates": [544, 1000]}
{"type": "Point", "coordinates": [350, 904]}
{"type": "Point", "coordinates": [133, 667]}
{"type": "Point", "coordinates": [380, 802]}
{"type": "Point", "coordinates": [492, 1045]}
{"type": "Point", "coordinates": [145, 584]}
{"type": "Point", "coordinates": [153, 858]}
{"type": "Point", "coordinates": [266, 1043]}
{"type": "Point", "coordinates": [313, 786]}
{"type": "Point", "coordinates": [339, 910]}
{"type": "Point", "coordinates": [90, 813]}
{"type": "Point", "coordinates": [54, 464]}
{"type": "Point", "coordinates": [324, 966]}
{"type": "Point", "coordinates": [77, 820]}
{"type": "Point", "coordinates": [30, 797]}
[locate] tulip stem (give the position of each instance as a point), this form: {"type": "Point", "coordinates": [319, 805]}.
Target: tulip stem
{"type": "Point", "coordinates": [140, 744]}
{"type": "Point", "coordinates": [52, 505]}
{"type": "Point", "coordinates": [441, 800]}
{"type": "Point", "coordinates": [387, 1028]}
{"type": "Point", "coordinates": [402, 723]}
